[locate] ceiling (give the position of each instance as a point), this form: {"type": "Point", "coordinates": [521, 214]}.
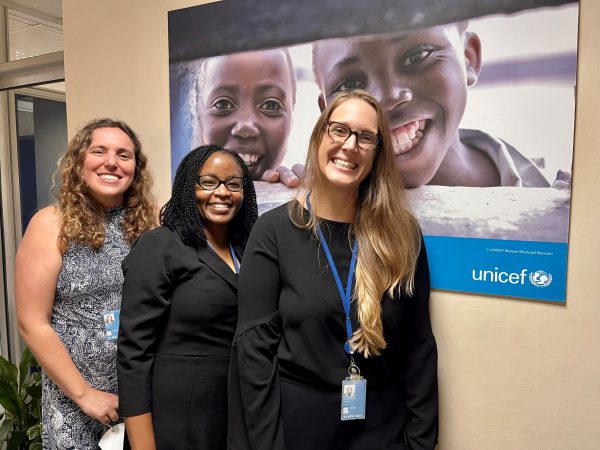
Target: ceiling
{"type": "Point", "coordinates": [35, 28]}
{"type": "Point", "coordinates": [50, 8]}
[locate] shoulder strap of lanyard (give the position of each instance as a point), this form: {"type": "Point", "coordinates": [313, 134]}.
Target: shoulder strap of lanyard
{"type": "Point", "coordinates": [345, 295]}
{"type": "Point", "coordinates": [235, 261]}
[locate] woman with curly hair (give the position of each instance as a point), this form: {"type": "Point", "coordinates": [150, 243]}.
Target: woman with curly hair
{"type": "Point", "coordinates": [180, 306]}
{"type": "Point", "coordinates": [68, 279]}
{"type": "Point", "coordinates": [334, 348]}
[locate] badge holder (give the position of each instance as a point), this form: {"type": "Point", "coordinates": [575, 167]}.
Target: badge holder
{"type": "Point", "coordinates": [111, 324]}
{"type": "Point", "coordinates": [354, 394]}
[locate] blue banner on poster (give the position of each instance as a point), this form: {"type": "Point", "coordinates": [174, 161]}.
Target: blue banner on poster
{"type": "Point", "coordinates": [535, 270]}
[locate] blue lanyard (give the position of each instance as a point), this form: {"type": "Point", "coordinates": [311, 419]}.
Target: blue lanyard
{"type": "Point", "coordinates": [345, 295]}
{"type": "Point", "coordinates": [235, 261]}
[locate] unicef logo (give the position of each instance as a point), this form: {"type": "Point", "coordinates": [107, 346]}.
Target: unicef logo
{"type": "Point", "coordinates": [540, 278]}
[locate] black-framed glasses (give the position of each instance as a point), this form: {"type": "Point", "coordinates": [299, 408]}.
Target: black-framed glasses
{"type": "Point", "coordinates": [210, 183]}
{"type": "Point", "coordinates": [340, 133]}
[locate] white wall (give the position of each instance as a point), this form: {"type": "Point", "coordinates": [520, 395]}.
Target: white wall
{"type": "Point", "coordinates": [513, 374]}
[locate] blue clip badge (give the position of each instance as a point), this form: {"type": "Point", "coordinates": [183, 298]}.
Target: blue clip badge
{"type": "Point", "coordinates": [111, 324]}
{"type": "Point", "coordinates": [354, 398]}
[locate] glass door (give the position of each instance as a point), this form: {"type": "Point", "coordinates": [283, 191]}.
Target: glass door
{"type": "Point", "coordinates": [32, 128]}
{"type": "Point", "coordinates": [41, 139]}
{"type": "Point", "coordinates": [37, 137]}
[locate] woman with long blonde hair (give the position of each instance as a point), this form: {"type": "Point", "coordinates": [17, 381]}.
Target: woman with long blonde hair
{"type": "Point", "coordinates": [334, 297]}
{"type": "Point", "coordinates": [68, 279]}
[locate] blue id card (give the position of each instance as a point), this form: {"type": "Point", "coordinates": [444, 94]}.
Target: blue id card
{"type": "Point", "coordinates": [111, 324]}
{"type": "Point", "coordinates": [354, 398]}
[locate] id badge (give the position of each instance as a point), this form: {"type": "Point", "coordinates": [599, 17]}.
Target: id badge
{"type": "Point", "coordinates": [354, 398]}
{"type": "Point", "coordinates": [111, 324]}
{"type": "Point", "coordinates": [354, 394]}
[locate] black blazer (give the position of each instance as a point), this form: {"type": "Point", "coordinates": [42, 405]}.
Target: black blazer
{"type": "Point", "coordinates": [178, 318]}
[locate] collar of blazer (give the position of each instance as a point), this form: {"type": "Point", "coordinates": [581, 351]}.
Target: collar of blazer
{"type": "Point", "coordinates": [217, 265]}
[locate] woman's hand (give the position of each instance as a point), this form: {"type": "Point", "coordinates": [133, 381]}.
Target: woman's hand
{"type": "Point", "coordinates": [100, 405]}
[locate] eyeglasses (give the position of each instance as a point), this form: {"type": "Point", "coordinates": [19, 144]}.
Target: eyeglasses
{"type": "Point", "coordinates": [340, 133]}
{"type": "Point", "coordinates": [210, 183]}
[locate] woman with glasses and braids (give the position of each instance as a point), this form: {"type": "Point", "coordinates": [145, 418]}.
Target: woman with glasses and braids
{"type": "Point", "coordinates": [334, 347]}
{"type": "Point", "coordinates": [180, 306]}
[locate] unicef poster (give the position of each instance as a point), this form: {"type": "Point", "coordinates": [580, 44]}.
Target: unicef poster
{"type": "Point", "coordinates": [481, 101]}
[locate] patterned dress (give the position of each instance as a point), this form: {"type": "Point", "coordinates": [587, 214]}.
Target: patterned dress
{"type": "Point", "coordinates": [89, 283]}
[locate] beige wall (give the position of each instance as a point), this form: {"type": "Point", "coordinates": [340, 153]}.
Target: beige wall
{"type": "Point", "coordinates": [513, 374]}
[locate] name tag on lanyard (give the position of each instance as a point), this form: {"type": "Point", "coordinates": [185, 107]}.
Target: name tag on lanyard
{"type": "Point", "coordinates": [354, 395]}
{"type": "Point", "coordinates": [354, 387]}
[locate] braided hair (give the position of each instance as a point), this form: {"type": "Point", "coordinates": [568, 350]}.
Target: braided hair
{"type": "Point", "coordinates": [181, 213]}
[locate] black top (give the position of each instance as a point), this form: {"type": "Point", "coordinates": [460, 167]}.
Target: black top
{"type": "Point", "coordinates": [291, 329]}
{"type": "Point", "coordinates": [178, 318]}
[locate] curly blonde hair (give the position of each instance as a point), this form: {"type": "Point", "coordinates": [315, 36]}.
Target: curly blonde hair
{"type": "Point", "coordinates": [388, 235]}
{"type": "Point", "coordinates": [82, 216]}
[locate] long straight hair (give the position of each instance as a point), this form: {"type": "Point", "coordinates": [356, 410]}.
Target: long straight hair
{"type": "Point", "coordinates": [388, 236]}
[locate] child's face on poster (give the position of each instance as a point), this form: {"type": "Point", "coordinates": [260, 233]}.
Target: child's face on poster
{"type": "Point", "coordinates": [247, 104]}
{"type": "Point", "coordinates": [419, 77]}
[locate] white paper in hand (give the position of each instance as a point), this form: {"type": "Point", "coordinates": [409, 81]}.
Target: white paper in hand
{"type": "Point", "coordinates": [113, 438]}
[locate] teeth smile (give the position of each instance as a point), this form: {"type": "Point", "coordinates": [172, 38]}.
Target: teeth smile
{"type": "Point", "coordinates": [109, 177]}
{"type": "Point", "coordinates": [219, 205]}
{"type": "Point", "coordinates": [343, 163]}
{"type": "Point", "coordinates": [249, 158]}
{"type": "Point", "coordinates": [407, 136]}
